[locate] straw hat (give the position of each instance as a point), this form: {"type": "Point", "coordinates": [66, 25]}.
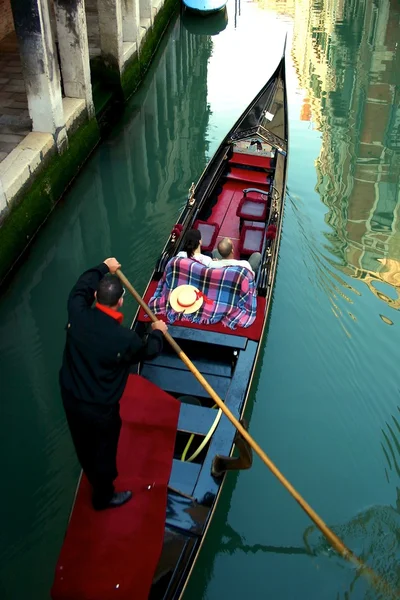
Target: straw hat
{"type": "Point", "coordinates": [186, 299]}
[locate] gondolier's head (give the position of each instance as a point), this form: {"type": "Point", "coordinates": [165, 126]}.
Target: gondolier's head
{"type": "Point", "coordinates": [110, 292]}
{"type": "Point", "coordinates": [225, 248]}
{"type": "Point", "coordinates": [192, 242]}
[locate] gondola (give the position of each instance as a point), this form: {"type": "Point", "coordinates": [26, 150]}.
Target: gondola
{"type": "Point", "coordinates": [251, 161]}
{"type": "Point", "coordinates": [204, 7]}
{"type": "Point", "coordinates": [239, 195]}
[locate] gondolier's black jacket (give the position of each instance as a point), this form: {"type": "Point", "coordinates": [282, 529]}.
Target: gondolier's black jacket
{"type": "Point", "coordinates": [99, 351]}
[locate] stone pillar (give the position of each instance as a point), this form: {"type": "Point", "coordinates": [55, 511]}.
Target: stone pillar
{"type": "Point", "coordinates": [40, 68]}
{"type": "Point", "coordinates": [131, 21]}
{"type": "Point", "coordinates": [3, 201]}
{"type": "Point", "coordinates": [111, 37]}
{"type": "Point", "coordinates": [74, 50]}
{"type": "Point", "coordinates": [145, 10]}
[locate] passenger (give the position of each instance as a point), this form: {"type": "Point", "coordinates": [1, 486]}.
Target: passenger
{"type": "Point", "coordinates": [223, 257]}
{"type": "Point", "coordinates": [192, 248]}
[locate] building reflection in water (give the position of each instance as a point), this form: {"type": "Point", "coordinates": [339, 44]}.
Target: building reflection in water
{"type": "Point", "coordinates": [348, 60]}
{"type": "Point", "coordinates": [165, 141]}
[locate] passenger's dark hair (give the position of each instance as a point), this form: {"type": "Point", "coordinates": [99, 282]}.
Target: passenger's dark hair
{"type": "Point", "coordinates": [192, 240]}
{"type": "Point", "coordinates": [109, 290]}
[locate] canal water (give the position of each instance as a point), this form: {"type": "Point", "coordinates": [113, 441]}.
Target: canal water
{"type": "Point", "coordinates": [325, 401]}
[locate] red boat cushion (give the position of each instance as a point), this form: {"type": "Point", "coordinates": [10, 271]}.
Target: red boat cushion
{"type": "Point", "coordinates": [209, 234]}
{"type": "Point", "coordinates": [114, 553]}
{"type": "Point", "coordinates": [253, 159]}
{"type": "Point", "coordinates": [251, 240]}
{"type": "Point", "coordinates": [252, 209]}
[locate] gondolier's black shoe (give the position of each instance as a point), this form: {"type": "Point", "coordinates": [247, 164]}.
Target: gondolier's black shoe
{"type": "Point", "coordinates": [118, 499]}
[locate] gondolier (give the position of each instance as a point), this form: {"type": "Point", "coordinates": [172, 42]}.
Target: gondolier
{"type": "Point", "coordinates": [97, 358]}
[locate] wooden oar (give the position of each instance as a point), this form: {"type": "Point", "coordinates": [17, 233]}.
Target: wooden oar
{"type": "Point", "coordinates": [333, 539]}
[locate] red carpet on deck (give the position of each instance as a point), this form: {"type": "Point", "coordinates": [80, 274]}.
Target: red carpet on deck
{"type": "Point", "coordinates": [230, 224]}
{"type": "Point", "coordinates": [220, 209]}
{"type": "Point", "coordinates": [114, 553]}
{"type": "Point", "coordinates": [252, 333]}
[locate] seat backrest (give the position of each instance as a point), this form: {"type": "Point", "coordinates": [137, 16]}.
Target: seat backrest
{"type": "Point", "coordinates": [209, 233]}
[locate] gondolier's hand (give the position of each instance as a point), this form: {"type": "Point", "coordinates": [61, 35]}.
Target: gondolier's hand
{"type": "Point", "coordinates": [112, 264]}
{"type": "Point", "coordinates": [160, 325]}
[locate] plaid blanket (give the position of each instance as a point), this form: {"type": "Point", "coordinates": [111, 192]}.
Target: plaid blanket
{"type": "Point", "coordinates": [231, 293]}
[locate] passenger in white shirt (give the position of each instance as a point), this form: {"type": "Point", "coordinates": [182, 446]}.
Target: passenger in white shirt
{"type": "Point", "coordinates": [223, 257]}
{"type": "Point", "coordinates": [192, 248]}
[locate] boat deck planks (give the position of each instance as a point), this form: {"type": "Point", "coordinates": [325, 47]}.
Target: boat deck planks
{"type": "Point", "coordinates": [196, 419]}
{"type": "Point", "coordinates": [208, 337]}
{"type": "Point", "coordinates": [183, 383]}
{"type": "Point", "coordinates": [224, 211]}
{"type": "Point", "coordinates": [184, 476]}
{"type": "Point", "coordinates": [230, 223]}
{"type": "Point", "coordinates": [205, 366]}
{"type": "Point", "coordinates": [222, 205]}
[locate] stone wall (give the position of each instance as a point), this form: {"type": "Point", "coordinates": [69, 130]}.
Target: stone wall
{"type": "Point", "coordinates": [6, 18]}
{"type": "Point", "coordinates": [71, 92]}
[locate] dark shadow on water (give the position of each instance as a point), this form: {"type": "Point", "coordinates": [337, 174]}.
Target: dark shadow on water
{"type": "Point", "coordinates": [210, 25]}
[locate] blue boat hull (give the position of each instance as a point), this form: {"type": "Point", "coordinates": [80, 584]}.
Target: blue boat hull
{"type": "Point", "coordinates": [204, 7]}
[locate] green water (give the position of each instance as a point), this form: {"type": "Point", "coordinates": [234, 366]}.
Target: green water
{"type": "Point", "coordinates": [325, 402]}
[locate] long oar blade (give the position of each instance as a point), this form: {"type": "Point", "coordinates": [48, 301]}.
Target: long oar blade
{"type": "Point", "coordinates": [333, 539]}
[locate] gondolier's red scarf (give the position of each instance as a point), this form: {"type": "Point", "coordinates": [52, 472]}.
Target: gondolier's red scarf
{"type": "Point", "coordinates": [115, 314]}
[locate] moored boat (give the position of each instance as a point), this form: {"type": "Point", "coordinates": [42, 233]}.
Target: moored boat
{"type": "Point", "coordinates": [204, 7]}
{"type": "Point", "coordinates": [213, 25]}
{"type": "Point", "coordinates": [240, 195]}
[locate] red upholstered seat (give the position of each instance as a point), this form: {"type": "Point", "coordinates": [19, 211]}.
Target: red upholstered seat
{"type": "Point", "coordinates": [252, 209]}
{"type": "Point", "coordinates": [209, 233]}
{"type": "Point", "coordinates": [251, 239]}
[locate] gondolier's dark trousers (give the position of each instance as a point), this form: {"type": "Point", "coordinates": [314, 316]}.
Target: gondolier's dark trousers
{"type": "Point", "coordinates": [95, 435]}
